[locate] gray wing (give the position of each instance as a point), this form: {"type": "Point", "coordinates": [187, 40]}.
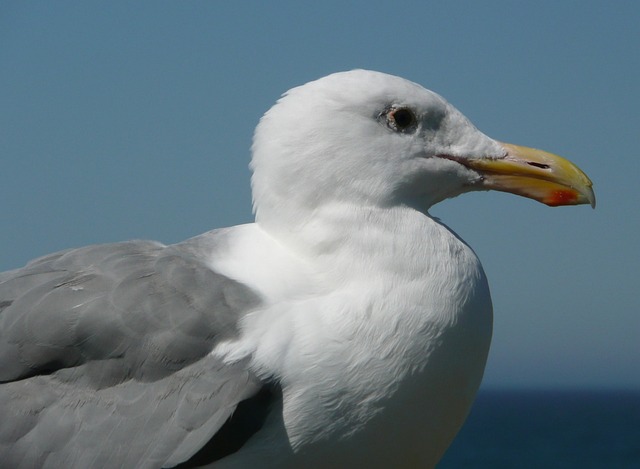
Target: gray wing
{"type": "Point", "coordinates": [104, 356]}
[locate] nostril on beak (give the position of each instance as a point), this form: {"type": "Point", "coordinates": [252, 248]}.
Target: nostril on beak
{"type": "Point", "coordinates": [538, 165]}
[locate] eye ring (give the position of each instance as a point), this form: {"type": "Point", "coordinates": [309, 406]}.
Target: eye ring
{"type": "Point", "coordinates": [401, 119]}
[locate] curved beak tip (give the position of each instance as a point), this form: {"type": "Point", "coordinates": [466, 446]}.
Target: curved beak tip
{"type": "Point", "coordinates": [591, 198]}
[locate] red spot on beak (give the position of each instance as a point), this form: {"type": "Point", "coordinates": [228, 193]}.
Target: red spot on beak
{"type": "Point", "coordinates": [563, 197]}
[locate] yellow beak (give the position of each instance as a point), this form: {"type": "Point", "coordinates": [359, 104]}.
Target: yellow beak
{"type": "Point", "coordinates": [536, 174]}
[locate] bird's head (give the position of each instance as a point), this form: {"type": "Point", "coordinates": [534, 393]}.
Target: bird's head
{"type": "Point", "coordinates": [367, 138]}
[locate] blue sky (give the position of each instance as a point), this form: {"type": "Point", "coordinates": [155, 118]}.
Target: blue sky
{"type": "Point", "coordinates": [123, 120]}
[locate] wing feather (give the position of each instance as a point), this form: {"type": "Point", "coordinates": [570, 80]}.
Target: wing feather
{"type": "Point", "coordinates": [105, 356]}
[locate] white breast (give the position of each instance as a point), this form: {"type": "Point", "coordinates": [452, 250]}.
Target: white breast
{"type": "Point", "coordinates": [381, 357]}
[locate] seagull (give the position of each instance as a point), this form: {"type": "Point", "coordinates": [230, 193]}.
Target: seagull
{"type": "Point", "coordinates": [345, 328]}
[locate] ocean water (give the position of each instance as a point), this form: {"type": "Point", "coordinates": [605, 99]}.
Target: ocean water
{"type": "Point", "coordinates": [549, 429]}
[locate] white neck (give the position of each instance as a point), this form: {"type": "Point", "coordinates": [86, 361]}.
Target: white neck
{"type": "Point", "coordinates": [389, 289]}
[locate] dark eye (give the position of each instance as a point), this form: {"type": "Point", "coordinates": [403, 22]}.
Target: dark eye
{"type": "Point", "coordinates": [401, 119]}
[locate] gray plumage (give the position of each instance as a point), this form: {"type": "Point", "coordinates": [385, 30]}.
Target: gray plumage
{"type": "Point", "coordinates": [112, 341]}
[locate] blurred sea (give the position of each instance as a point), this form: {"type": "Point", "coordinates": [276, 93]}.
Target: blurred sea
{"type": "Point", "coordinates": [549, 429]}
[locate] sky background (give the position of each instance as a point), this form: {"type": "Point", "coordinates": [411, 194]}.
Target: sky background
{"type": "Point", "coordinates": [123, 120]}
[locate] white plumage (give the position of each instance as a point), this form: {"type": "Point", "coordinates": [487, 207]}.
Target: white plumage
{"type": "Point", "coordinates": [368, 319]}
